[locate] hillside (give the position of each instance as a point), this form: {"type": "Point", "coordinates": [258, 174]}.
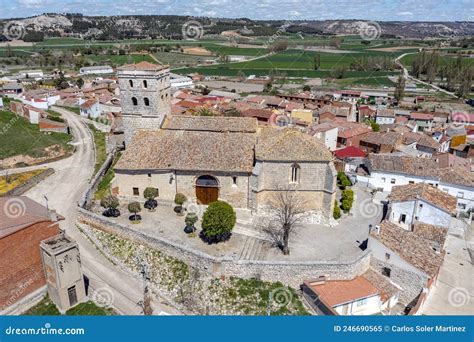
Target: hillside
{"type": "Point", "coordinates": [159, 26]}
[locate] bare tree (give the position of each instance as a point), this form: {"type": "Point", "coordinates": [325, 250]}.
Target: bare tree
{"type": "Point", "coordinates": [287, 212]}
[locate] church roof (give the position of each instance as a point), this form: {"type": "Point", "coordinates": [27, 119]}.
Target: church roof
{"type": "Point", "coordinates": [210, 124]}
{"type": "Point", "coordinates": [189, 150]}
{"type": "Point", "coordinates": [143, 66]}
{"type": "Point", "coordinates": [287, 144]}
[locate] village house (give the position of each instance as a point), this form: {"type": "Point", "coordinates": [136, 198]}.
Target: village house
{"type": "Point", "coordinates": [90, 108]}
{"type": "Point", "coordinates": [96, 70]}
{"type": "Point", "coordinates": [348, 159]}
{"type": "Point", "coordinates": [21, 271]}
{"type": "Point", "coordinates": [424, 121]}
{"type": "Point", "coordinates": [368, 294]}
{"type": "Point", "coordinates": [420, 203]}
{"type": "Point", "coordinates": [384, 171]}
{"type": "Point", "coordinates": [385, 116]}
{"type": "Point", "coordinates": [350, 134]}
{"type": "Point", "coordinates": [327, 132]}
{"type": "Point", "coordinates": [380, 142]}
{"type": "Point", "coordinates": [409, 258]}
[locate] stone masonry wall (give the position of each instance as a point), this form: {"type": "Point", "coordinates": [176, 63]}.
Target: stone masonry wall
{"type": "Point", "coordinates": [290, 273]}
{"type": "Point", "coordinates": [412, 284]}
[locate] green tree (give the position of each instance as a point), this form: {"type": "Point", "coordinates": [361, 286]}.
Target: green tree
{"type": "Point", "coordinates": [217, 222]}
{"type": "Point", "coordinates": [400, 88]}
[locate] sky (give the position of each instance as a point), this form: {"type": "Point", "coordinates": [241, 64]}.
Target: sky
{"type": "Point", "coordinates": [382, 10]}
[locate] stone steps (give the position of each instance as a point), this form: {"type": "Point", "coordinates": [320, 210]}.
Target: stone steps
{"type": "Point", "coordinates": [254, 249]}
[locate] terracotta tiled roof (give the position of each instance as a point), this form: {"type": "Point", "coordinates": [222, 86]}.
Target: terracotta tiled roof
{"type": "Point", "coordinates": [426, 167]}
{"type": "Point", "coordinates": [386, 288]}
{"type": "Point", "coordinates": [212, 124]}
{"type": "Point", "coordinates": [413, 247]}
{"type": "Point", "coordinates": [379, 138]}
{"type": "Point", "coordinates": [350, 152]}
{"type": "Point", "coordinates": [145, 66]}
{"type": "Point", "coordinates": [287, 144]}
{"type": "Point", "coordinates": [32, 211]}
{"type": "Point", "coordinates": [338, 292]}
{"type": "Point", "coordinates": [189, 150]}
{"type": "Point", "coordinates": [429, 193]}
{"type": "Point", "coordinates": [88, 104]}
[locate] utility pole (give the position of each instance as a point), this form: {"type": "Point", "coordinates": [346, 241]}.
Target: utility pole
{"type": "Point", "coordinates": [145, 304]}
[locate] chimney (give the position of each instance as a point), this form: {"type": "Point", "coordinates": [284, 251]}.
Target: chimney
{"type": "Point", "coordinates": [53, 216]}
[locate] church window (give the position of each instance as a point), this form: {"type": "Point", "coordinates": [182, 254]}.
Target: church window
{"type": "Point", "coordinates": [234, 180]}
{"type": "Point", "coordinates": [131, 83]}
{"type": "Point", "coordinates": [295, 173]}
{"type": "Point", "coordinates": [145, 84]}
{"type": "Point", "coordinates": [134, 101]}
{"type": "Point", "coordinates": [147, 101]}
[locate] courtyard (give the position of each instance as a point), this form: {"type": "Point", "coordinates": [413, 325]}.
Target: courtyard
{"type": "Point", "coordinates": [249, 241]}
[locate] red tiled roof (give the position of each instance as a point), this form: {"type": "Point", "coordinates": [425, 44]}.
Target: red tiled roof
{"type": "Point", "coordinates": [421, 116]}
{"type": "Point", "coordinates": [350, 152]}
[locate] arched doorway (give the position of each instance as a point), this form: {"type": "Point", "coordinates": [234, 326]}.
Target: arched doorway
{"type": "Point", "coordinates": [207, 189]}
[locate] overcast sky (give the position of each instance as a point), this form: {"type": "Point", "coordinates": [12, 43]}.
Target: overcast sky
{"type": "Point", "coordinates": [383, 10]}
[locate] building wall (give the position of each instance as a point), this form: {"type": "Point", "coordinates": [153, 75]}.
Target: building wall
{"type": "Point", "coordinates": [157, 92]}
{"type": "Point", "coordinates": [383, 180]}
{"type": "Point", "coordinates": [169, 183]}
{"type": "Point", "coordinates": [368, 306]}
{"type": "Point", "coordinates": [329, 138]}
{"type": "Point", "coordinates": [21, 271]}
{"type": "Point", "coordinates": [316, 186]}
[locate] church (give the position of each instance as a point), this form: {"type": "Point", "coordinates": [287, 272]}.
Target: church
{"type": "Point", "coordinates": [213, 158]}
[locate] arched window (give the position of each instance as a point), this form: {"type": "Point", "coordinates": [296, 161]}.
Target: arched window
{"type": "Point", "coordinates": [295, 173]}
{"type": "Point", "coordinates": [134, 101]}
{"type": "Point", "coordinates": [147, 101]}
{"type": "Point", "coordinates": [145, 84]}
{"type": "Point", "coordinates": [131, 83]}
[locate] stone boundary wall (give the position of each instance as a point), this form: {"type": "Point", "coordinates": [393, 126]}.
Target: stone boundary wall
{"type": "Point", "coordinates": [292, 273]}
{"type": "Point", "coordinates": [30, 183]}
{"type": "Point", "coordinates": [84, 202]}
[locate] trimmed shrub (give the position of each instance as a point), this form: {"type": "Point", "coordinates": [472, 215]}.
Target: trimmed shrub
{"type": "Point", "coordinates": [179, 199]}
{"type": "Point", "coordinates": [150, 193]}
{"type": "Point", "coordinates": [337, 211]}
{"type": "Point", "coordinates": [347, 199]}
{"type": "Point", "coordinates": [109, 202]}
{"type": "Point", "coordinates": [218, 222]}
{"type": "Point", "coordinates": [343, 181]}
{"type": "Point", "coordinates": [191, 219]}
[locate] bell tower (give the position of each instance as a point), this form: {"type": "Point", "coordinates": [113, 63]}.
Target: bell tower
{"type": "Point", "coordinates": [145, 97]}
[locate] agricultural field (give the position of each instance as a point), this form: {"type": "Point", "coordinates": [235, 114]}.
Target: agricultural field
{"type": "Point", "coordinates": [120, 59]}
{"type": "Point", "coordinates": [179, 59]}
{"type": "Point", "coordinates": [444, 59]}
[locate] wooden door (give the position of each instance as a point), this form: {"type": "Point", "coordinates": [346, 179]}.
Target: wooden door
{"type": "Point", "coordinates": [206, 195]}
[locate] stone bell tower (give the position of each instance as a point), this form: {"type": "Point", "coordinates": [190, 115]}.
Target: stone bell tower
{"type": "Point", "coordinates": [145, 96]}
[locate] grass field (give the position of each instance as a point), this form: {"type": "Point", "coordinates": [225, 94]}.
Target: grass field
{"type": "Point", "coordinates": [19, 137]}
{"type": "Point", "coordinates": [47, 308]}
{"type": "Point", "coordinates": [100, 148]}
{"type": "Point", "coordinates": [179, 59]}
{"type": "Point", "coordinates": [444, 59]}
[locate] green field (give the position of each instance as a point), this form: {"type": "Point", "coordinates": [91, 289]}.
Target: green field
{"type": "Point", "coordinates": [120, 59]}
{"type": "Point", "coordinates": [19, 137]}
{"type": "Point", "coordinates": [444, 59]}
{"type": "Point", "coordinates": [179, 59]}
{"type": "Point", "coordinates": [47, 308]}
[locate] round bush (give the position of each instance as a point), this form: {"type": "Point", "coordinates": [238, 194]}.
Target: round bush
{"type": "Point", "coordinates": [179, 199]}
{"type": "Point", "coordinates": [109, 202]}
{"type": "Point", "coordinates": [218, 222]}
{"type": "Point", "coordinates": [150, 193]}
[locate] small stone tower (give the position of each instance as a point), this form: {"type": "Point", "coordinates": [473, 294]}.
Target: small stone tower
{"type": "Point", "coordinates": [145, 96]}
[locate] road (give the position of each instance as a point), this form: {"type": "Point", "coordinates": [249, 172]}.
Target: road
{"type": "Point", "coordinates": [406, 75]}
{"type": "Point", "coordinates": [63, 190]}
